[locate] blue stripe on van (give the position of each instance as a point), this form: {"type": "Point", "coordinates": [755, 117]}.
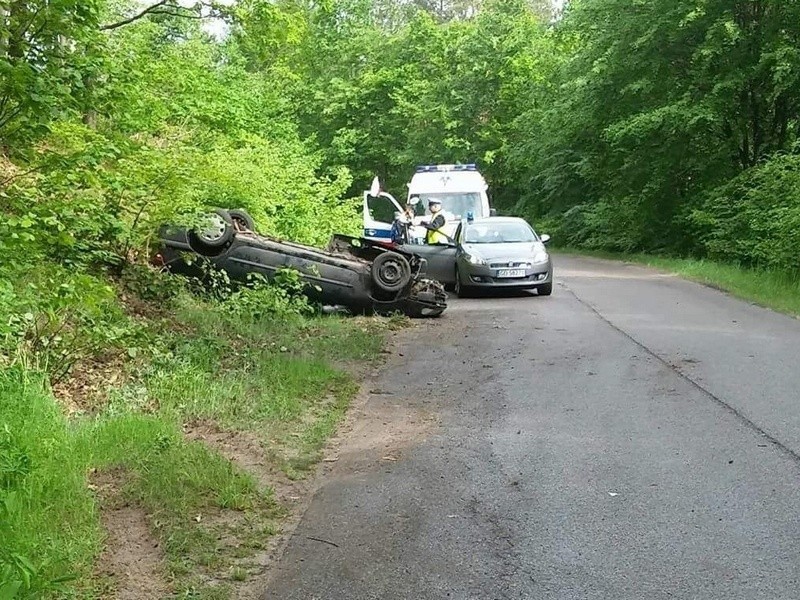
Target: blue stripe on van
{"type": "Point", "coordinates": [378, 233]}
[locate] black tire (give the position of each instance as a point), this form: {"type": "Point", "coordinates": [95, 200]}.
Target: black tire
{"type": "Point", "coordinates": [545, 289]}
{"type": "Point", "coordinates": [211, 240]}
{"type": "Point", "coordinates": [242, 221]}
{"type": "Point", "coordinates": [391, 272]}
{"type": "Point", "coordinates": [462, 291]}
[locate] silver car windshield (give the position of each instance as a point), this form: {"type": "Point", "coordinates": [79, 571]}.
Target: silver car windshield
{"type": "Point", "coordinates": [509, 232]}
{"type": "Point", "coordinates": [455, 205]}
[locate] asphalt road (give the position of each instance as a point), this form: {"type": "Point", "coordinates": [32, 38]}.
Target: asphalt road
{"type": "Point", "coordinates": [634, 436]}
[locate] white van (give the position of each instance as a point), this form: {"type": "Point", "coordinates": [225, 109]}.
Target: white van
{"type": "Point", "coordinates": [461, 189]}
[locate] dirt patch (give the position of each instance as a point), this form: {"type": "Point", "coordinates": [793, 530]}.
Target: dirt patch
{"type": "Point", "coordinates": [86, 388]}
{"type": "Point", "coordinates": [246, 451]}
{"type": "Point", "coordinates": [141, 309]}
{"type": "Point", "coordinates": [132, 558]}
{"type": "Point", "coordinates": [382, 423]}
{"type": "Point", "coordinates": [379, 428]}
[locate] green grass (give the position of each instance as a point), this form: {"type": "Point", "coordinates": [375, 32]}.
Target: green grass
{"type": "Point", "coordinates": [48, 523]}
{"type": "Point", "coordinates": [49, 526]}
{"type": "Point", "coordinates": [772, 289]}
{"type": "Point", "coordinates": [279, 378]}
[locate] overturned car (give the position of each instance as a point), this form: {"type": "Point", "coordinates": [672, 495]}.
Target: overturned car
{"type": "Point", "coordinates": [356, 273]}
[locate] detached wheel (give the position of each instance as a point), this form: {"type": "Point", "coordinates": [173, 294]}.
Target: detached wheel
{"type": "Point", "coordinates": [210, 237]}
{"type": "Point", "coordinates": [545, 290]}
{"type": "Point", "coordinates": [242, 220]}
{"type": "Point", "coordinates": [391, 272]}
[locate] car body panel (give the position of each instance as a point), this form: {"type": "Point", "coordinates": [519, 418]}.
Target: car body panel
{"type": "Point", "coordinates": [484, 276]}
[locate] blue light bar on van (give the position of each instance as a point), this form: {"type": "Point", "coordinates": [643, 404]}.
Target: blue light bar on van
{"type": "Point", "coordinates": [445, 168]}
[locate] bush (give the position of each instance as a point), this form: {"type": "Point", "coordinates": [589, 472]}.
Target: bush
{"type": "Point", "coordinates": [282, 298]}
{"type": "Point", "coordinates": [600, 226]}
{"type": "Point", "coordinates": [755, 219]}
{"type": "Point", "coordinates": [55, 317]}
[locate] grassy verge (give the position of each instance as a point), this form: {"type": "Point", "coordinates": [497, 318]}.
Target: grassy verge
{"type": "Point", "coordinates": [771, 289]}
{"type": "Point", "coordinates": [278, 376]}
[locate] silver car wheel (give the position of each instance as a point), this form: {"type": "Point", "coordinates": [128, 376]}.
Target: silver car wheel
{"type": "Point", "coordinates": [215, 231]}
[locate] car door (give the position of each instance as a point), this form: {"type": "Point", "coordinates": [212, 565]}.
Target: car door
{"type": "Point", "coordinates": [441, 261]}
{"type": "Point", "coordinates": [379, 214]}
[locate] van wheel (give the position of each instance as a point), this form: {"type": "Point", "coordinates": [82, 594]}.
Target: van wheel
{"type": "Point", "coordinates": [391, 272]}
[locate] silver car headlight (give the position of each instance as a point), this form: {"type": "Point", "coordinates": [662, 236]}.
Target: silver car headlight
{"type": "Point", "coordinates": [474, 260]}
{"type": "Point", "coordinates": [540, 258]}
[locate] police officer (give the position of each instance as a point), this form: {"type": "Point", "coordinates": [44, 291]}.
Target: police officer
{"type": "Point", "coordinates": [436, 225]}
{"type": "Point", "coordinates": [399, 232]}
{"type": "Point", "coordinates": [403, 221]}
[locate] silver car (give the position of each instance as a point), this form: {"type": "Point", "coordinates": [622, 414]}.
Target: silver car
{"type": "Point", "coordinates": [491, 253]}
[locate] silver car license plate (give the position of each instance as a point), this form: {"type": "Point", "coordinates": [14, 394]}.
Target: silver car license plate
{"type": "Point", "coordinates": [509, 273]}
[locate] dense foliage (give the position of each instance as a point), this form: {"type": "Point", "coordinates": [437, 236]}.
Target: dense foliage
{"type": "Point", "coordinates": [628, 125]}
{"type": "Point", "coordinates": [659, 106]}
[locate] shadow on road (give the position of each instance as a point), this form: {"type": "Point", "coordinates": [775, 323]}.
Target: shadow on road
{"type": "Point", "coordinates": [498, 294]}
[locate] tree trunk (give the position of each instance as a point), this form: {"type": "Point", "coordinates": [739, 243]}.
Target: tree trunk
{"type": "Point", "coordinates": [17, 11]}
{"type": "Point", "coordinates": [89, 112]}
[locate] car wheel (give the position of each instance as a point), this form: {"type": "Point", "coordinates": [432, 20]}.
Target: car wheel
{"type": "Point", "coordinates": [462, 291]}
{"type": "Point", "coordinates": [545, 289]}
{"type": "Point", "coordinates": [213, 234]}
{"type": "Point", "coordinates": [242, 220]}
{"type": "Point", "coordinates": [391, 272]}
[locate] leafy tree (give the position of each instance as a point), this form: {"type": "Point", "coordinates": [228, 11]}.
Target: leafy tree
{"type": "Point", "coordinates": [44, 47]}
{"type": "Point", "coordinates": [658, 103]}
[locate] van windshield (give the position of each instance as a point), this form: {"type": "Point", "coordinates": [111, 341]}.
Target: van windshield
{"type": "Point", "coordinates": [456, 206]}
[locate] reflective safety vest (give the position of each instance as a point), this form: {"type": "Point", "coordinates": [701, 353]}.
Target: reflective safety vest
{"type": "Point", "coordinates": [437, 236]}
